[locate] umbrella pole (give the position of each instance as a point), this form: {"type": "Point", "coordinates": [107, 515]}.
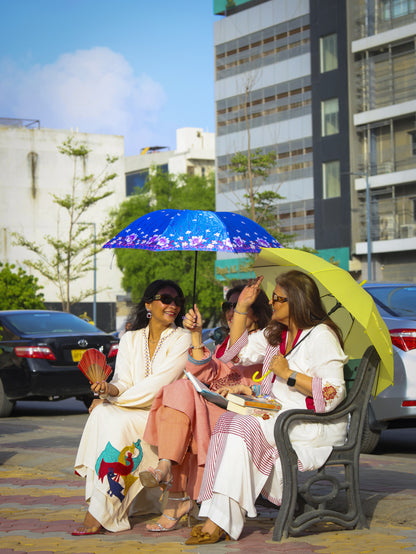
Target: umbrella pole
{"type": "Point", "coordinates": [194, 293]}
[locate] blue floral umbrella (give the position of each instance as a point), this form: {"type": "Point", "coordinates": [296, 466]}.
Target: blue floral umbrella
{"type": "Point", "coordinates": [197, 230]}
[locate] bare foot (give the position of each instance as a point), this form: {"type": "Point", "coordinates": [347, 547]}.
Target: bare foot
{"type": "Point", "coordinates": [90, 526]}
{"type": "Point", "coordinates": [164, 471]}
{"type": "Point", "coordinates": [209, 527]}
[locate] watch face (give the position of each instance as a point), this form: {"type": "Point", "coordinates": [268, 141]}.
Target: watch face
{"type": "Point", "coordinates": [291, 382]}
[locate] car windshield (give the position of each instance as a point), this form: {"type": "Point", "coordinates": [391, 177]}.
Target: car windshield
{"type": "Point", "coordinates": [41, 323]}
{"type": "Point", "coordinates": [399, 300]}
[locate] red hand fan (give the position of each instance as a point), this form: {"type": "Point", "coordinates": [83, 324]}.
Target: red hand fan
{"type": "Point", "coordinates": [94, 366]}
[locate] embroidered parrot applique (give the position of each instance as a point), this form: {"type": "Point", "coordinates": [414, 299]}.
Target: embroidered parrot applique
{"type": "Point", "coordinates": [119, 465]}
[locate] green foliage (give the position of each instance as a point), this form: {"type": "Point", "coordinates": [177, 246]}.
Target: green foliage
{"type": "Point", "coordinates": [261, 164]}
{"type": "Point", "coordinates": [140, 267]}
{"type": "Point", "coordinates": [254, 169]}
{"type": "Point", "coordinates": [18, 290]}
{"type": "Point", "coordinates": [75, 244]}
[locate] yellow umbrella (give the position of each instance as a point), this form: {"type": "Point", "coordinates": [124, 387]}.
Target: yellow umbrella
{"type": "Point", "coordinates": [358, 317]}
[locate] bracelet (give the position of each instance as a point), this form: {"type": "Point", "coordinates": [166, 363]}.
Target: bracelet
{"type": "Point", "coordinates": [241, 313]}
{"type": "Point", "coordinates": [199, 346]}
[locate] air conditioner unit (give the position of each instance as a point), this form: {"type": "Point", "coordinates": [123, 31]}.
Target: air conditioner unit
{"type": "Point", "coordinates": [408, 230]}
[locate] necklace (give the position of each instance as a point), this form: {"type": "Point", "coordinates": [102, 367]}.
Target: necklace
{"type": "Point", "coordinates": [147, 360]}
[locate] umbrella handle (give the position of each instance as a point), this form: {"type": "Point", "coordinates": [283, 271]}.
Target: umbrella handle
{"type": "Point", "coordinates": [257, 379]}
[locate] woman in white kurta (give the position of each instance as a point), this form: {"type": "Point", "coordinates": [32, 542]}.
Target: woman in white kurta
{"type": "Point", "coordinates": [302, 348]}
{"type": "Point", "coordinates": [111, 452]}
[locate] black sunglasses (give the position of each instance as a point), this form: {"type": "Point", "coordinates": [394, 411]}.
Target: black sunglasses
{"type": "Point", "coordinates": [226, 306]}
{"type": "Point", "coordinates": [168, 299]}
{"type": "Point", "coordinates": [277, 298]}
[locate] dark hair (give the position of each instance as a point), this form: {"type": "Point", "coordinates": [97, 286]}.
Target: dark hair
{"type": "Point", "coordinates": [261, 307]}
{"type": "Point", "coordinates": [305, 306]}
{"type": "Point", "coordinates": [138, 316]}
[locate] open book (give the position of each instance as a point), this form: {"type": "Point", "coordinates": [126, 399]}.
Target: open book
{"type": "Point", "coordinates": [208, 394]}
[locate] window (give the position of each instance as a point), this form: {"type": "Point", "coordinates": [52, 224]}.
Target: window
{"type": "Point", "coordinates": [135, 181]}
{"type": "Point", "coordinates": [413, 142]}
{"type": "Point", "coordinates": [331, 179]}
{"type": "Point", "coordinates": [329, 117]}
{"type": "Point", "coordinates": [391, 9]}
{"type": "Point", "coordinates": [328, 53]}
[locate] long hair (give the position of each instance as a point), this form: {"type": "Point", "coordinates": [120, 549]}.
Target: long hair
{"type": "Point", "coordinates": [261, 307]}
{"type": "Point", "coordinates": [139, 317]}
{"type": "Point", "coordinates": [305, 306]}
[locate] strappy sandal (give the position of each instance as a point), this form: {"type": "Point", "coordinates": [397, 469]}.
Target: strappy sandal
{"type": "Point", "coordinates": [150, 480]}
{"type": "Point", "coordinates": [160, 528]}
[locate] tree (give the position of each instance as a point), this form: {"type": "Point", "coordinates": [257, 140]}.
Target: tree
{"type": "Point", "coordinates": [73, 247]}
{"type": "Point", "coordinates": [140, 267]}
{"type": "Point", "coordinates": [254, 168]}
{"type": "Point", "coordinates": [18, 290]}
{"type": "Point", "coordinates": [259, 206]}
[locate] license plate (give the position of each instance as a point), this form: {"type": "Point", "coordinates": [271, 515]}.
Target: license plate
{"type": "Point", "coordinates": [77, 355]}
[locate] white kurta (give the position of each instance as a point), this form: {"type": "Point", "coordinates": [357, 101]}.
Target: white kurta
{"type": "Point", "coordinates": [111, 452]}
{"type": "Point", "coordinates": [243, 460]}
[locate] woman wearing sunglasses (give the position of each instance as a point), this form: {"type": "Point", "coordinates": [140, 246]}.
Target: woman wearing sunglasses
{"type": "Point", "coordinates": [303, 349]}
{"type": "Point", "coordinates": [112, 451]}
{"type": "Point", "coordinates": [181, 420]}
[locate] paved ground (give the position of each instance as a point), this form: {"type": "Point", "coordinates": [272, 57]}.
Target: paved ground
{"type": "Point", "coordinates": [42, 500]}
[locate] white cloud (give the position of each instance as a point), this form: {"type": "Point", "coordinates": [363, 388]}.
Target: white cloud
{"type": "Point", "coordinates": [93, 90]}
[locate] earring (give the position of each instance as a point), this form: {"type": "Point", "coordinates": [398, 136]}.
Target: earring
{"type": "Point", "coordinates": [149, 314]}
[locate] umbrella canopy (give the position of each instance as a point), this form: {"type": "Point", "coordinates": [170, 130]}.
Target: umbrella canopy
{"type": "Point", "coordinates": [358, 316]}
{"type": "Point", "coordinates": [195, 230]}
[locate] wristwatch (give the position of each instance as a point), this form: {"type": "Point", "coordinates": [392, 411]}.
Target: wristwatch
{"type": "Point", "coordinates": [291, 382]}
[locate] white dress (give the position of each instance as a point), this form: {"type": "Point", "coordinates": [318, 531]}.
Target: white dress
{"type": "Point", "coordinates": [242, 459]}
{"type": "Point", "coordinates": [111, 452]}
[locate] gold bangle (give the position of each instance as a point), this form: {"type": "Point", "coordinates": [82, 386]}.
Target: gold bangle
{"type": "Point", "coordinates": [199, 346]}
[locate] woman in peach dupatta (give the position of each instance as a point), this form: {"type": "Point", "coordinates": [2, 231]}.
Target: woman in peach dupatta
{"type": "Point", "coordinates": [181, 420]}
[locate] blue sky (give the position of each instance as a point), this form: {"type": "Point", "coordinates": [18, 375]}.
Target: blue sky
{"type": "Point", "coordinates": [136, 68]}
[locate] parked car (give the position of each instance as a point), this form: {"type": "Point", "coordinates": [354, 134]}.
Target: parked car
{"type": "Point", "coordinates": [39, 355]}
{"type": "Point", "coordinates": [396, 406]}
{"type": "Point", "coordinates": [213, 336]}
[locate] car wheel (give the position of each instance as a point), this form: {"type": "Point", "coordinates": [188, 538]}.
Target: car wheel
{"type": "Point", "coordinates": [6, 405]}
{"type": "Point", "coordinates": [369, 439]}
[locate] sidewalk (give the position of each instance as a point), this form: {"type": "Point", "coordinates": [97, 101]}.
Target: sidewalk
{"type": "Point", "coordinates": [42, 501]}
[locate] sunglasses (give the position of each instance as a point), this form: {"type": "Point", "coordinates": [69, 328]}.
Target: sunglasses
{"type": "Point", "coordinates": [226, 306]}
{"type": "Point", "coordinates": [277, 298]}
{"type": "Point", "coordinates": [168, 299]}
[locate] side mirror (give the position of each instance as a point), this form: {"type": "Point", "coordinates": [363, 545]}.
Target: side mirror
{"type": "Point", "coordinates": [218, 335]}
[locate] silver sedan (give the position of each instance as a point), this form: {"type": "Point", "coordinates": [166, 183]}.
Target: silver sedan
{"type": "Point", "coordinates": [395, 406]}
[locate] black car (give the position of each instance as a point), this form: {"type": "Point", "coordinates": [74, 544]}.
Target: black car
{"type": "Point", "coordinates": [39, 355]}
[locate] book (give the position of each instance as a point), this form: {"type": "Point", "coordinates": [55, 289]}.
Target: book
{"type": "Point", "coordinates": [249, 410]}
{"type": "Point", "coordinates": [206, 393]}
{"type": "Point", "coordinates": [246, 401]}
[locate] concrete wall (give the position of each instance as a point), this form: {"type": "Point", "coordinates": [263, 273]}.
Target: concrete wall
{"type": "Point", "coordinates": [31, 170]}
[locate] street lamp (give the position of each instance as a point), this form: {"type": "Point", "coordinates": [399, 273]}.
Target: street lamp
{"type": "Point", "coordinates": [368, 212]}
{"type": "Point", "coordinates": [94, 304]}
